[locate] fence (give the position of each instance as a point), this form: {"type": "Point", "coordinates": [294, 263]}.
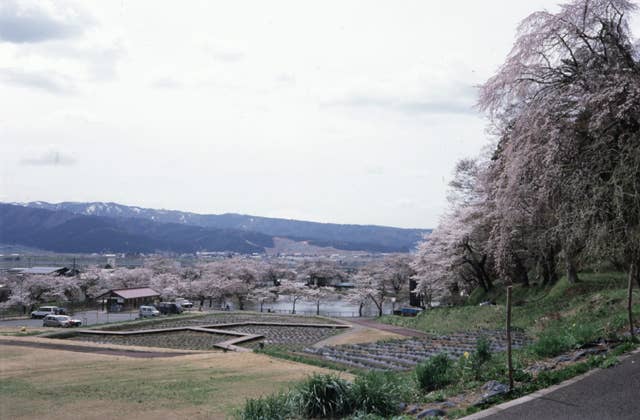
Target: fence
{"type": "Point", "coordinates": [337, 314]}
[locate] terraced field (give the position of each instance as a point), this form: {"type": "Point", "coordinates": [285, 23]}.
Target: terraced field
{"type": "Point", "coordinates": [208, 332]}
{"type": "Point", "coordinates": [286, 335]}
{"type": "Point", "coordinates": [189, 340]}
{"type": "Point", "coordinates": [405, 354]}
{"type": "Point", "coordinates": [223, 318]}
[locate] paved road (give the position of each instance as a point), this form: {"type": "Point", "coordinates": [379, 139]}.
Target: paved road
{"type": "Point", "coordinates": [607, 394]}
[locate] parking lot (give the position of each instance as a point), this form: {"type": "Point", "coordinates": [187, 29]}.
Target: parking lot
{"type": "Point", "coordinates": [87, 318]}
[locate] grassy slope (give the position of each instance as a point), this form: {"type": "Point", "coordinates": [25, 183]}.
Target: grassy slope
{"type": "Point", "coordinates": [597, 304]}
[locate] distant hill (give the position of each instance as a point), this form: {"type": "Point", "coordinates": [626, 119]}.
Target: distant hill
{"type": "Point", "coordinates": [343, 237]}
{"type": "Point", "coordinates": [63, 231]}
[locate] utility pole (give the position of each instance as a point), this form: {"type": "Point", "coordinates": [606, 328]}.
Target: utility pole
{"type": "Point", "coordinates": [509, 357]}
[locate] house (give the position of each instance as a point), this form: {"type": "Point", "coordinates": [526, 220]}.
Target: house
{"type": "Point", "coordinates": [127, 299]}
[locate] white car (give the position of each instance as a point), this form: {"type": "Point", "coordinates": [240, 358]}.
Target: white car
{"type": "Point", "coordinates": [186, 304]}
{"type": "Point", "coordinates": [43, 311]}
{"type": "Point", "coordinates": [148, 312]}
{"type": "Point", "coordinates": [63, 321]}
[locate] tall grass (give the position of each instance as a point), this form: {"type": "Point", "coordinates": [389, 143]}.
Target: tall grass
{"type": "Point", "coordinates": [379, 393]}
{"type": "Point", "coordinates": [435, 373]}
{"type": "Point", "coordinates": [324, 396]}
{"type": "Point", "coordinates": [271, 407]}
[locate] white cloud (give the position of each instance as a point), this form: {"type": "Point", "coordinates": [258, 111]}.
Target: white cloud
{"type": "Point", "coordinates": [24, 21]}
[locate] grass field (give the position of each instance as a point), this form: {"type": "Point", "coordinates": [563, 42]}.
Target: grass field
{"type": "Point", "coordinates": [597, 302]}
{"type": "Point", "coordinates": [52, 384]}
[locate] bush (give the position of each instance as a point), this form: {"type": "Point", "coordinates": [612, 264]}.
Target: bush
{"type": "Point", "coordinates": [435, 373]}
{"type": "Point", "coordinates": [553, 342]}
{"type": "Point", "coordinates": [378, 393]}
{"type": "Point", "coordinates": [560, 339]}
{"type": "Point", "coordinates": [324, 396]}
{"type": "Point", "coordinates": [272, 407]}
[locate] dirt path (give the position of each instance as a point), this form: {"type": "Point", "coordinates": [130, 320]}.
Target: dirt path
{"type": "Point", "coordinates": [372, 323]}
{"type": "Point", "coordinates": [87, 349]}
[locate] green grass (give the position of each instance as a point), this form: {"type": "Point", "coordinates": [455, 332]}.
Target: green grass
{"type": "Point", "coordinates": [596, 305]}
{"type": "Point", "coordinates": [560, 318]}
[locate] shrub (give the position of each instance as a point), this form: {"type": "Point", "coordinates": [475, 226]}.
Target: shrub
{"type": "Point", "coordinates": [272, 407]}
{"type": "Point", "coordinates": [559, 339]}
{"type": "Point", "coordinates": [378, 393]}
{"type": "Point", "coordinates": [553, 342]}
{"type": "Point", "coordinates": [324, 396]}
{"type": "Point", "coordinates": [435, 373]}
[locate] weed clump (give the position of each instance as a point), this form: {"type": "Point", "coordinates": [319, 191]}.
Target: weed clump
{"type": "Point", "coordinates": [324, 396]}
{"type": "Point", "coordinates": [435, 373]}
{"type": "Point", "coordinates": [378, 393]}
{"type": "Point", "coordinates": [271, 407]}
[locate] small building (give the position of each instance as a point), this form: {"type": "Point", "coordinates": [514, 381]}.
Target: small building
{"type": "Point", "coordinates": [127, 299]}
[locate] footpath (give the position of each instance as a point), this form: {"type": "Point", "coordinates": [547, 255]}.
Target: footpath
{"type": "Point", "coordinates": [612, 393]}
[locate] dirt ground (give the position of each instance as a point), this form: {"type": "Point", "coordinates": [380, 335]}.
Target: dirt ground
{"type": "Point", "coordinates": [50, 384]}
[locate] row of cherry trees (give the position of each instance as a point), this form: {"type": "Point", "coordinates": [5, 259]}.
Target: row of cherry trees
{"type": "Point", "coordinates": [239, 280]}
{"type": "Point", "coordinates": [560, 188]}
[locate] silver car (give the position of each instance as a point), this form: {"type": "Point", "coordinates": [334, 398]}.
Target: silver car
{"type": "Point", "coordinates": [62, 321]}
{"type": "Point", "coordinates": [148, 311]}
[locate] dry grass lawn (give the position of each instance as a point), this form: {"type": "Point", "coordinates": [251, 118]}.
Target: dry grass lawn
{"type": "Point", "coordinates": [359, 336]}
{"type": "Point", "coordinates": [54, 384]}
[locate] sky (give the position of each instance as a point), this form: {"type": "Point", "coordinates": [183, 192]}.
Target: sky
{"type": "Point", "coordinates": [331, 111]}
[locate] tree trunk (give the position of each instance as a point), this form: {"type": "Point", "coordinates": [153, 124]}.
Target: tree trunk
{"type": "Point", "coordinates": [294, 306]}
{"type": "Point", "coordinates": [360, 310]}
{"type": "Point", "coordinates": [378, 305]}
{"type": "Point", "coordinates": [317, 307]}
{"type": "Point", "coordinates": [572, 272]}
{"type": "Point", "coordinates": [521, 272]}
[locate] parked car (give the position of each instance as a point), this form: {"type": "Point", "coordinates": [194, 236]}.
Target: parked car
{"type": "Point", "coordinates": [62, 321]}
{"type": "Point", "coordinates": [44, 311]}
{"type": "Point", "coordinates": [167, 308]}
{"type": "Point", "coordinates": [148, 311]}
{"type": "Point", "coordinates": [186, 304]}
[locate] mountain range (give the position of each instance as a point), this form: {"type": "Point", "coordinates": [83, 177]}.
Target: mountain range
{"type": "Point", "coordinates": [112, 227]}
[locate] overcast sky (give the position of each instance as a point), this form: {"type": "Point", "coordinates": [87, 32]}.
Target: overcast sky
{"type": "Point", "coordinates": [333, 111]}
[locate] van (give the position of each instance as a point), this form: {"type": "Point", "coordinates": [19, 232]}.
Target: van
{"type": "Point", "coordinates": [148, 311]}
{"type": "Point", "coordinates": [167, 308]}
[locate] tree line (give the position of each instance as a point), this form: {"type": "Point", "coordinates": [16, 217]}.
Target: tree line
{"type": "Point", "coordinates": [558, 189]}
{"type": "Point", "coordinates": [236, 280]}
